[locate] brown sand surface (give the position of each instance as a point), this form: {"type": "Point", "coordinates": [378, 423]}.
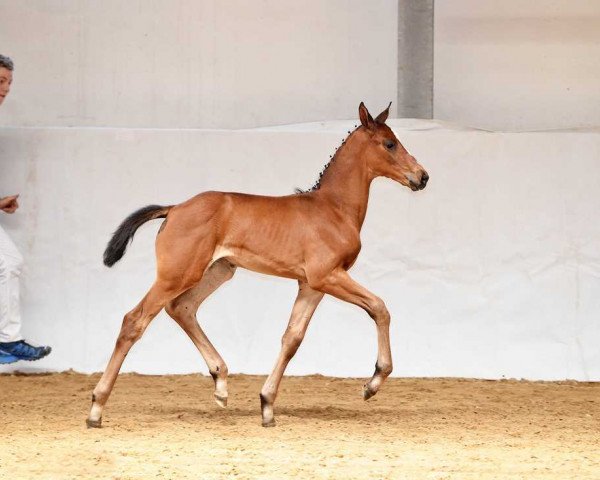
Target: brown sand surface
{"type": "Point", "coordinates": [169, 427]}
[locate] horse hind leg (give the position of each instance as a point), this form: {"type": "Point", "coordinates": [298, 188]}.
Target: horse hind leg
{"type": "Point", "coordinates": [133, 327]}
{"type": "Point", "coordinates": [183, 310]}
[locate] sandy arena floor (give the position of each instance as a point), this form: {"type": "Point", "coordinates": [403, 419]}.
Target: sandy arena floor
{"type": "Point", "coordinates": [169, 427]}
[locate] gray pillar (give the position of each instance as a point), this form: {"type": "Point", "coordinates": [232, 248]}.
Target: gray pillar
{"type": "Point", "coordinates": [415, 58]}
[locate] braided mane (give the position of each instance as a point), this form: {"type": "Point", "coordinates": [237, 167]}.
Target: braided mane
{"type": "Point", "coordinates": [332, 158]}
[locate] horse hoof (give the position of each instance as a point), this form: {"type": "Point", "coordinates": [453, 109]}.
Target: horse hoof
{"type": "Point", "coordinates": [93, 423]}
{"type": "Point", "coordinates": [268, 424]}
{"type": "Point", "coordinates": [367, 393]}
{"type": "Point", "coordinates": [221, 401]}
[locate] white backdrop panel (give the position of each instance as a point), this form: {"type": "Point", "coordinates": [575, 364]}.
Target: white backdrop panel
{"type": "Point", "coordinates": [196, 63]}
{"type": "Point", "coordinates": [492, 271]}
{"type": "Point", "coordinates": [517, 64]}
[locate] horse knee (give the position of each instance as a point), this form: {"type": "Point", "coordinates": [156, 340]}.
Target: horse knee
{"type": "Point", "coordinates": [379, 312]}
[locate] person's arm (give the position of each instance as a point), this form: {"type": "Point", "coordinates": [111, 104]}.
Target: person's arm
{"type": "Point", "coordinates": [9, 204]}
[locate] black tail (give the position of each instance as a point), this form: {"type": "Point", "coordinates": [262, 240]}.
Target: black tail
{"type": "Point", "coordinates": [124, 234]}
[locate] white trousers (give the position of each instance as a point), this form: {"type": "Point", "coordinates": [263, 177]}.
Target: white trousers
{"type": "Point", "coordinates": [11, 262]}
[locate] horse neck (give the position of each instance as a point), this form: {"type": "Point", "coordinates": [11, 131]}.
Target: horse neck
{"type": "Point", "coordinates": [346, 182]}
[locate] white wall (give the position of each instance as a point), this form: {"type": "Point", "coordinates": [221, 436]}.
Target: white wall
{"type": "Point", "coordinates": [504, 65]}
{"type": "Point", "coordinates": [188, 63]}
{"type": "Point", "coordinates": [517, 64]}
{"type": "Point", "coordinates": [493, 270]}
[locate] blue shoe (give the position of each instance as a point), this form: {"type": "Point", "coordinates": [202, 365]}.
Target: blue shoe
{"type": "Point", "coordinates": [7, 358]}
{"type": "Point", "coordinates": [23, 351]}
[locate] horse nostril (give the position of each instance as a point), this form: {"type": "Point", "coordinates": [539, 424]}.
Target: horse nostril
{"type": "Point", "coordinates": [424, 179]}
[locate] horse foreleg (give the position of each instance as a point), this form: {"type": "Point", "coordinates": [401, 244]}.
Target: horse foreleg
{"type": "Point", "coordinates": [183, 310]}
{"type": "Point", "coordinates": [339, 284]}
{"type": "Point", "coordinates": [304, 307]}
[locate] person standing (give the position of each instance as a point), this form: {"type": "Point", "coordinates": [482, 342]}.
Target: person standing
{"type": "Point", "coordinates": [12, 345]}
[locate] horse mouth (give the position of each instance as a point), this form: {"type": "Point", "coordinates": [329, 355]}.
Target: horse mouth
{"type": "Point", "coordinates": [415, 187]}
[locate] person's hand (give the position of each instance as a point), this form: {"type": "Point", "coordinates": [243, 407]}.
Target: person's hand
{"type": "Point", "coordinates": [9, 204]}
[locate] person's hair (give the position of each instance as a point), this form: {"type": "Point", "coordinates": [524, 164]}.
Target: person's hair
{"type": "Point", "coordinates": [6, 62]}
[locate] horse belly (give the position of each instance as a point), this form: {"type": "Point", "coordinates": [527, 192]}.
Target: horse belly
{"type": "Point", "coordinates": [269, 263]}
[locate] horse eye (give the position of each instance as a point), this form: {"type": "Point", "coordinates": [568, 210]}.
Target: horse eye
{"type": "Point", "coordinates": [389, 144]}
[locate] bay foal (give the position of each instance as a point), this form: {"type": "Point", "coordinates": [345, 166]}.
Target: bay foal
{"type": "Point", "coordinates": [312, 237]}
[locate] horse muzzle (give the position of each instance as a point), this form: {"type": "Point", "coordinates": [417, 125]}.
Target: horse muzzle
{"type": "Point", "coordinates": [421, 184]}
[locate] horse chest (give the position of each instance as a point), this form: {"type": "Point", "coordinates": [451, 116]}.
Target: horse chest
{"type": "Point", "coordinates": [341, 248]}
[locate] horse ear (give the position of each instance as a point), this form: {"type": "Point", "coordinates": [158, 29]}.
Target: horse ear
{"type": "Point", "coordinates": [365, 117]}
{"type": "Point", "coordinates": [382, 117]}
